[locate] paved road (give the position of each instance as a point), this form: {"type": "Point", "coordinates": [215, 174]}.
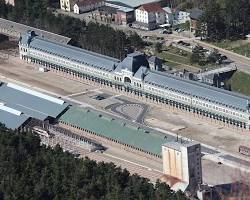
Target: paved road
{"type": "Point", "coordinates": [242, 62]}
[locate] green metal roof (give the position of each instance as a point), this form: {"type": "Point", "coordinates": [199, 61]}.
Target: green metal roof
{"type": "Point", "coordinates": [114, 128]}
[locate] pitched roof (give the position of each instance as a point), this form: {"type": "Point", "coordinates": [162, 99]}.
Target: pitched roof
{"type": "Point", "coordinates": [31, 103]}
{"type": "Point", "coordinates": [168, 10]}
{"type": "Point", "coordinates": [151, 7]}
{"type": "Point", "coordinates": [197, 89]}
{"type": "Point", "coordinates": [11, 120]}
{"type": "Point", "coordinates": [132, 3]}
{"type": "Point", "coordinates": [82, 3]}
{"type": "Point", "coordinates": [133, 62]}
{"type": "Point", "coordinates": [117, 129]}
{"type": "Point", "coordinates": [196, 13]}
{"type": "Point", "coordinates": [70, 52]}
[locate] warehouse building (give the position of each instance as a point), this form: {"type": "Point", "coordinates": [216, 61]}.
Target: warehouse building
{"type": "Point", "coordinates": [133, 76]}
{"type": "Point", "coordinates": [107, 129]}
{"type": "Point", "coordinates": [11, 118]}
{"type": "Point", "coordinates": [18, 104]}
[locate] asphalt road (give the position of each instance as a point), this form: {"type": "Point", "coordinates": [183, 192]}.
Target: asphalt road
{"type": "Point", "coordinates": [242, 62]}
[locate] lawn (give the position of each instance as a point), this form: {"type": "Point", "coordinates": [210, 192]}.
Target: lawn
{"type": "Point", "coordinates": [243, 50]}
{"type": "Point", "coordinates": [180, 59]}
{"type": "Point", "coordinates": [240, 82]}
{"type": "Point", "coordinates": [239, 46]}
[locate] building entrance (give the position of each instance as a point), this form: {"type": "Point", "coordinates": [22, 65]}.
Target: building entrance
{"type": "Point", "coordinates": [127, 80]}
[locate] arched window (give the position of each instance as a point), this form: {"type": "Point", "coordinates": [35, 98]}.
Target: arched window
{"type": "Point", "coordinates": [127, 80]}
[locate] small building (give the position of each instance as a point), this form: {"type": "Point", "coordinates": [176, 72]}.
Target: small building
{"type": "Point", "coordinates": [149, 16]}
{"type": "Point", "coordinates": [11, 2]}
{"type": "Point", "coordinates": [169, 15]}
{"type": "Point", "coordinates": [82, 6]}
{"type": "Point", "coordinates": [66, 5]}
{"type": "Point", "coordinates": [182, 161]}
{"type": "Point", "coordinates": [108, 14]}
{"type": "Point", "coordinates": [195, 16]}
{"type": "Point", "coordinates": [181, 17]}
{"type": "Point", "coordinates": [155, 63]}
{"type": "Point", "coordinates": [125, 15]}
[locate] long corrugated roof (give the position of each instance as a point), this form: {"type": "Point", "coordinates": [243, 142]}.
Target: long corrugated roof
{"type": "Point", "coordinates": [29, 104]}
{"type": "Point", "coordinates": [12, 121]}
{"type": "Point", "coordinates": [74, 53]}
{"type": "Point", "coordinates": [114, 128]}
{"type": "Point", "coordinates": [198, 89]}
{"type": "Point", "coordinates": [134, 3]}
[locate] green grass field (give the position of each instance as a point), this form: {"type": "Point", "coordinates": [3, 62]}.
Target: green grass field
{"type": "Point", "coordinates": [180, 59]}
{"type": "Point", "coordinates": [240, 82]}
{"type": "Point", "coordinates": [241, 47]}
{"type": "Point", "coordinates": [243, 50]}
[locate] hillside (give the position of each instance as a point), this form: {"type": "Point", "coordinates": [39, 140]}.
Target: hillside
{"type": "Point", "coordinates": [31, 171]}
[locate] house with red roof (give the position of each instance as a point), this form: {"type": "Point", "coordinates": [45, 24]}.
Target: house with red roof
{"type": "Point", "coordinates": [149, 16]}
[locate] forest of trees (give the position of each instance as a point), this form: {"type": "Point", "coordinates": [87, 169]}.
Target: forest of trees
{"type": "Point", "coordinates": [95, 37]}
{"type": "Point", "coordinates": [31, 171]}
{"type": "Point", "coordinates": [226, 19]}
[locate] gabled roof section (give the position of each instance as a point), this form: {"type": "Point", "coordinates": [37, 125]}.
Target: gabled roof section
{"type": "Point", "coordinates": [141, 73]}
{"type": "Point", "coordinates": [83, 3]}
{"type": "Point", "coordinates": [133, 62]}
{"type": "Point", "coordinates": [31, 103]}
{"type": "Point", "coordinates": [168, 10]}
{"type": "Point", "coordinates": [194, 88]}
{"type": "Point", "coordinates": [151, 7]}
{"type": "Point", "coordinates": [196, 13]}
{"type": "Point", "coordinates": [71, 53]}
{"type": "Point", "coordinates": [11, 120]}
{"type": "Point", "coordinates": [117, 129]}
{"type": "Point", "coordinates": [132, 3]}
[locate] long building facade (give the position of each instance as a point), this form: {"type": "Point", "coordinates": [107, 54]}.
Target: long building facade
{"type": "Point", "coordinates": [132, 75]}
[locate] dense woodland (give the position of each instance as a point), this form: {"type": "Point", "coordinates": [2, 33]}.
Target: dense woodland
{"type": "Point", "coordinates": [226, 19]}
{"type": "Point", "coordinates": [31, 171]}
{"type": "Point", "coordinates": [222, 19]}
{"type": "Point", "coordinates": [95, 37]}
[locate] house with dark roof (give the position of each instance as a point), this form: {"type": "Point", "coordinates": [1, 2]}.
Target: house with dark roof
{"type": "Point", "coordinates": [195, 16]}
{"type": "Point", "coordinates": [82, 6]}
{"type": "Point", "coordinates": [155, 63]}
{"type": "Point", "coordinates": [149, 16]}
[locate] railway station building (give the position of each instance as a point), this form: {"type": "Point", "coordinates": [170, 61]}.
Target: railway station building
{"type": "Point", "coordinates": [134, 76]}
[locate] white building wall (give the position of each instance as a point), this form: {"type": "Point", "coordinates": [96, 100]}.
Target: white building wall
{"type": "Point", "coordinates": [171, 94]}
{"type": "Point", "coordinates": [181, 17]}
{"type": "Point", "coordinates": [141, 16]}
{"type": "Point", "coordinates": [76, 9]}
{"type": "Point", "coordinates": [65, 5]}
{"type": "Point", "coordinates": [11, 2]}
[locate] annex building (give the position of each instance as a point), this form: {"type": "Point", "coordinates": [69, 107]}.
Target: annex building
{"type": "Point", "coordinates": [133, 76]}
{"type": "Point", "coordinates": [19, 104]}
